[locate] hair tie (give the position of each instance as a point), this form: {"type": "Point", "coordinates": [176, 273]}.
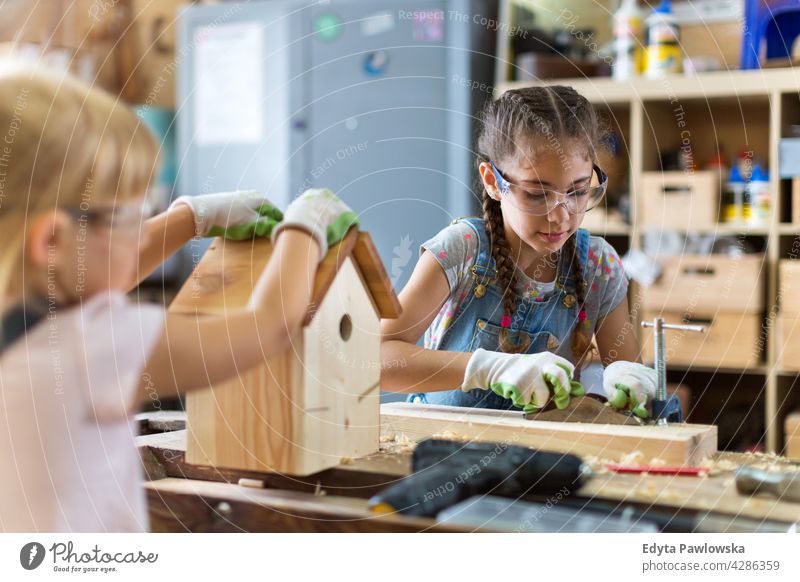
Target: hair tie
{"type": "Point", "coordinates": [582, 315]}
{"type": "Point", "coordinates": [505, 322]}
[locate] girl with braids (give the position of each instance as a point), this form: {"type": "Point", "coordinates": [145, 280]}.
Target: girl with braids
{"type": "Point", "coordinates": [512, 301]}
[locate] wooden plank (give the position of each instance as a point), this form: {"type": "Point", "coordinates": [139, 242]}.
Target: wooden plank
{"type": "Point", "coordinates": [678, 444]}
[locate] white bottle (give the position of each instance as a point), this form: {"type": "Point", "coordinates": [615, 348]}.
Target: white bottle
{"type": "Point", "coordinates": [759, 195]}
{"type": "Point", "coordinates": [627, 40]}
{"type": "Point", "coordinates": [663, 42]}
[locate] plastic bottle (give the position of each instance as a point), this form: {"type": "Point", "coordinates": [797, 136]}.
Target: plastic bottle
{"type": "Point", "coordinates": [733, 197]}
{"type": "Point", "coordinates": [627, 39]}
{"type": "Point", "coordinates": [663, 42]}
{"type": "Point", "coordinates": [760, 195]}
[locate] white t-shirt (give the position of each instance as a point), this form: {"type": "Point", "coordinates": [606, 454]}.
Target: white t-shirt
{"type": "Point", "coordinates": [68, 391]}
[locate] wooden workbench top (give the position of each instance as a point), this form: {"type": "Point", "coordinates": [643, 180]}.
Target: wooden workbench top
{"type": "Point", "coordinates": [335, 500]}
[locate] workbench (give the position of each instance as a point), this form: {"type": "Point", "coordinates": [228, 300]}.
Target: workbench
{"type": "Point", "coordinates": [184, 497]}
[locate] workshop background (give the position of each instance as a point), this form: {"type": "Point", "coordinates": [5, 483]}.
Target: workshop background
{"type": "Point", "coordinates": [375, 99]}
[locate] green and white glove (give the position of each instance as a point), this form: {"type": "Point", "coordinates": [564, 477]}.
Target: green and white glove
{"type": "Point", "coordinates": [239, 215]}
{"type": "Point", "coordinates": [630, 385]}
{"type": "Point", "coordinates": [322, 214]}
{"type": "Point", "coordinates": [528, 380]}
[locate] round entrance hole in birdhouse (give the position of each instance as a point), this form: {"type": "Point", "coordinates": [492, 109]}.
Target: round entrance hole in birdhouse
{"type": "Point", "coordinates": [346, 327]}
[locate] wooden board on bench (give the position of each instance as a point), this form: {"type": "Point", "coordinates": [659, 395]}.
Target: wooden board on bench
{"type": "Point", "coordinates": [676, 444]}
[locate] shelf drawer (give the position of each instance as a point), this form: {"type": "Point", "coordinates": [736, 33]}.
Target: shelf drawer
{"type": "Point", "coordinates": [789, 286]}
{"type": "Point", "coordinates": [791, 428]}
{"type": "Point", "coordinates": [787, 334]}
{"type": "Point", "coordinates": [730, 340]}
{"type": "Point", "coordinates": [680, 200]}
{"type": "Point", "coordinates": [708, 284]}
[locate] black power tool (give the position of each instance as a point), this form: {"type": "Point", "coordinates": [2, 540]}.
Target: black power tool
{"type": "Point", "coordinates": [446, 472]}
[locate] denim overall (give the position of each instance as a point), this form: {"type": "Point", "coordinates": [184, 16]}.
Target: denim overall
{"type": "Point", "coordinates": [543, 325]}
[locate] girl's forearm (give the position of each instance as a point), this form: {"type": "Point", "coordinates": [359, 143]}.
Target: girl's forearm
{"type": "Point", "coordinates": [163, 236]}
{"type": "Point", "coordinates": [408, 368]}
{"type": "Point", "coordinates": [196, 352]}
{"type": "Point", "coordinates": [283, 292]}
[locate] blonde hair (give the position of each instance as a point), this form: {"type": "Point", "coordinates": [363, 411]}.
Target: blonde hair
{"type": "Point", "coordinates": [62, 145]}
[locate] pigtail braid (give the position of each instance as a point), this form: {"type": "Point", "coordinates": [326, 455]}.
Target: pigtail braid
{"type": "Point", "coordinates": [581, 341]}
{"type": "Point", "coordinates": [501, 252]}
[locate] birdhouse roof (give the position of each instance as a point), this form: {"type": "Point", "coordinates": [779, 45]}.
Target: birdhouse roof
{"type": "Point", "coordinates": [360, 248]}
{"type": "Point", "coordinates": [225, 276]}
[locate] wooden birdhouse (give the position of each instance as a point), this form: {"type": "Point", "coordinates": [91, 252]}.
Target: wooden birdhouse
{"type": "Point", "coordinates": [305, 410]}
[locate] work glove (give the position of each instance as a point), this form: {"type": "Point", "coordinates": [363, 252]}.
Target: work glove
{"type": "Point", "coordinates": [239, 215]}
{"type": "Point", "coordinates": [528, 380]}
{"type": "Point", "coordinates": [322, 214]}
{"type": "Point", "coordinates": [630, 385]}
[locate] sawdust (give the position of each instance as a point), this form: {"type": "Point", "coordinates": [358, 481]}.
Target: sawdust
{"type": "Point", "coordinates": [635, 458]}
{"type": "Point", "coordinates": [397, 443]}
{"type": "Point", "coordinates": [769, 462]}
{"type": "Point", "coordinates": [718, 466]}
{"type": "Point", "coordinates": [772, 463]}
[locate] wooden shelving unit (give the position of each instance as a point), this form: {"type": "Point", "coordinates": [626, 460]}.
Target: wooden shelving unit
{"type": "Point", "coordinates": [739, 109]}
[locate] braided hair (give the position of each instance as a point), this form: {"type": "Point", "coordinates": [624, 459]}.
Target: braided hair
{"type": "Point", "coordinates": [519, 117]}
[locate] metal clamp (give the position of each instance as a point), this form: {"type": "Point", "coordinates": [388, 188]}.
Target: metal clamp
{"type": "Point", "coordinates": [659, 355]}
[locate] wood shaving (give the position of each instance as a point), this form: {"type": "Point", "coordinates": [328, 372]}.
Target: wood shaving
{"type": "Point", "coordinates": [450, 436]}
{"type": "Point", "coordinates": [397, 443]}
{"type": "Point", "coordinates": [632, 458]}
{"type": "Point", "coordinates": [598, 464]}
{"type": "Point", "coordinates": [346, 461]}
{"type": "Point", "coordinates": [719, 466]}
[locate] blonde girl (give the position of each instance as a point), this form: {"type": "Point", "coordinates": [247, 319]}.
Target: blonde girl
{"type": "Point", "coordinates": [77, 356]}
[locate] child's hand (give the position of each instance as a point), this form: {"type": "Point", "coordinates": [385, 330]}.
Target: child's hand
{"type": "Point", "coordinates": [239, 215]}
{"type": "Point", "coordinates": [527, 379]}
{"type": "Point", "coordinates": [630, 385]}
{"type": "Point", "coordinates": [320, 213]}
